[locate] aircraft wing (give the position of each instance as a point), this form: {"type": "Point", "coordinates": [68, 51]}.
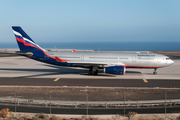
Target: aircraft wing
{"type": "Point", "coordinates": [91, 63]}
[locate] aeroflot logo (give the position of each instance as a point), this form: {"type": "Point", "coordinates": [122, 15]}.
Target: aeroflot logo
{"type": "Point", "coordinates": [146, 55]}
{"type": "Point", "coordinates": [18, 35]}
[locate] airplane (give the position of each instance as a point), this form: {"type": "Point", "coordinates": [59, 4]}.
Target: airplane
{"type": "Point", "coordinates": [111, 62]}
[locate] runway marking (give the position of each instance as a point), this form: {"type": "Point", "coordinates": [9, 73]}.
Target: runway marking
{"type": "Point", "coordinates": [145, 80]}
{"type": "Point", "coordinates": [56, 79]}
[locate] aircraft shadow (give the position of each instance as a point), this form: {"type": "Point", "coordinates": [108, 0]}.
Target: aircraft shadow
{"type": "Point", "coordinates": [133, 72]}
{"type": "Point", "coordinates": [49, 72]}
{"type": "Point", "coordinates": [60, 71]}
{"type": "Point", "coordinates": [107, 75]}
{"type": "Point", "coordinates": [84, 70]}
{"type": "Point", "coordinates": [149, 73]}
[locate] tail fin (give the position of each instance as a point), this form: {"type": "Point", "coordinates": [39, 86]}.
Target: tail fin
{"type": "Point", "coordinates": [24, 41]}
{"type": "Point", "coordinates": [26, 45]}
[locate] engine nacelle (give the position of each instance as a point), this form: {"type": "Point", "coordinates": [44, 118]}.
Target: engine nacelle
{"type": "Point", "coordinates": [119, 70]}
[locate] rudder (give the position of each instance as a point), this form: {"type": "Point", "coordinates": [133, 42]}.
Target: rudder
{"type": "Point", "coordinates": [25, 43]}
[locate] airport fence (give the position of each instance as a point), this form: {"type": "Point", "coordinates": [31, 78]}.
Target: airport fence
{"type": "Point", "coordinates": [90, 98]}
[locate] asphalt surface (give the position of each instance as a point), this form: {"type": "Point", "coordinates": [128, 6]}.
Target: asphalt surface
{"type": "Point", "coordinates": [168, 83]}
{"type": "Point", "coordinates": [82, 111]}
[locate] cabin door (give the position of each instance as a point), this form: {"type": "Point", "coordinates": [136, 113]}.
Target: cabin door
{"type": "Point", "coordinates": [82, 58]}
{"type": "Point", "coordinates": [134, 58]}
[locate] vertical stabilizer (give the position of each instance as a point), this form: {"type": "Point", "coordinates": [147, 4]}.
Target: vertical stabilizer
{"type": "Point", "coordinates": [24, 41]}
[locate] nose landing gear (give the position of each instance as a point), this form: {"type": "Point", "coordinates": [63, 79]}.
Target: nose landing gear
{"type": "Point", "coordinates": [154, 73]}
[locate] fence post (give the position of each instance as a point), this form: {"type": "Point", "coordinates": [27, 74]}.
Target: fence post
{"type": "Point", "coordinates": [15, 101]}
{"type": "Point", "coordinates": [137, 104]}
{"type": "Point", "coordinates": [165, 102]}
{"type": "Point", "coordinates": [124, 101]}
{"type": "Point", "coordinates": [18, 101]}
{"type": "Point", "coordinates": [86, 92]}
{"type": "Point", "coordinates": [46, 103]}
{"type": "Point", "coordinates": [50, 103]}
{"type": "Point", "coordinates": [75, 104]}
{"type": "Point", "coordinates": [170, 103]}
{"type": "Point", "coordinates": [86, 103]}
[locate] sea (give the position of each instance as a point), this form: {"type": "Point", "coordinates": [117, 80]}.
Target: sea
{"type": "Point", "coordinates": [104, 46]}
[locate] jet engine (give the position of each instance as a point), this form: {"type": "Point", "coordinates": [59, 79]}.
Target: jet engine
{"type": "Point", "coordinates": [119, 70]}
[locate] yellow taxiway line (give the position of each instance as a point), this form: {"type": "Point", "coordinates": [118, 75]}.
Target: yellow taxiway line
{"type": "Point", "coordinates": [56, 79]}
{"type": "Point", "coordinates": [145, 80]}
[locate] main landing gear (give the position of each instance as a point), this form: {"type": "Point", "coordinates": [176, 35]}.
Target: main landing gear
{"type": "Point", "coordinates": [93, 71]}
{"type": "Point", "coordinates": [154, 73]}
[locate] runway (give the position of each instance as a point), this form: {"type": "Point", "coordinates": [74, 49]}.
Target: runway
{"type": "Point", "coordinates": [168, 83]}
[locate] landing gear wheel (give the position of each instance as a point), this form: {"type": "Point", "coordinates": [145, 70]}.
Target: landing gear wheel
{"type": "Point", "coordinates": [93, 70]}
{"type": "Point", "coordinates": [90, 72]}
{"type": "Point", "coordinates": [154, 73]}
{"type": "Point", "coordinates": [96, 72]}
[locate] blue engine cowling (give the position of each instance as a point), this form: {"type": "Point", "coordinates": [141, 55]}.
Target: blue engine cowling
{"type": "Point", "coordinates": [119, 70]}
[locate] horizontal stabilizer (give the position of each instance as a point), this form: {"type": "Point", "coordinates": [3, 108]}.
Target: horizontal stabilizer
{"type": "Point", "coordinates": [29, 54]}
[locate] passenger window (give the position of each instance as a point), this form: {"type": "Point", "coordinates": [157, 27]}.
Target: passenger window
{"type": "Point", "coordinates": [167, 58]}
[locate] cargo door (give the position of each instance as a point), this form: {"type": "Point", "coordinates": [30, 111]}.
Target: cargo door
{"type": "Point", "coordinates": [46, 57]}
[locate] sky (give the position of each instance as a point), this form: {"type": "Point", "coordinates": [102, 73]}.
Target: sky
{"type": "Point", "coordinates": [91, 20]}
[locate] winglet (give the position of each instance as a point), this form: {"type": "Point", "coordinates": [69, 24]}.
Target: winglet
{"type": "Point", "coordinates": [74, 50]}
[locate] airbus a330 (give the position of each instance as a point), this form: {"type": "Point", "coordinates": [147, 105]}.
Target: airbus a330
{"type": "Point", "coordinates": [111, 62]}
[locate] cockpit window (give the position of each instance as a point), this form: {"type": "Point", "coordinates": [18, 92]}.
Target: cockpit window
{"type": "Point", "coordinates": [167, 58]}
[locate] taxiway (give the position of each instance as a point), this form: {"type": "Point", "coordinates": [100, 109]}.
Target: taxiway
{"type": "Point", "coordinates": [168, 83]}
{"type": "Point", "coordinates": [22, 67]}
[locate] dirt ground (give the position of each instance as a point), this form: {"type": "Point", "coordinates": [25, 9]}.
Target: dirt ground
{"type": "Point", "coordinates": [94, 94]}
{"type": "Point", "coordinates": [135, 116]}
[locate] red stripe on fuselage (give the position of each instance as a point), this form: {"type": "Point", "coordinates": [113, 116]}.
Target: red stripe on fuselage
{"type": "Point", "coordinates": [28, 44]}
{"type": "Point", "coordinates": [133, 66]}
{"type": "Point", "coordinates": [59, 59]}
{"type": "Point", "coordinates": [124, 70]}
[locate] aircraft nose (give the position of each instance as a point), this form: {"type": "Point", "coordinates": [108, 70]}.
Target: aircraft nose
{"type": "Point", "coordinates": [171, 62]}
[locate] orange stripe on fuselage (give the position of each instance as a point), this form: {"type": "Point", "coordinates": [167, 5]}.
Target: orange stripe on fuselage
{"type": "Point", "coordinates": [60, 60]}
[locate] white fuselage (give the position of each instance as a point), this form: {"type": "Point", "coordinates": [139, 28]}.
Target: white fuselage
{"type": "Point", "coordinates": [128, 59]}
